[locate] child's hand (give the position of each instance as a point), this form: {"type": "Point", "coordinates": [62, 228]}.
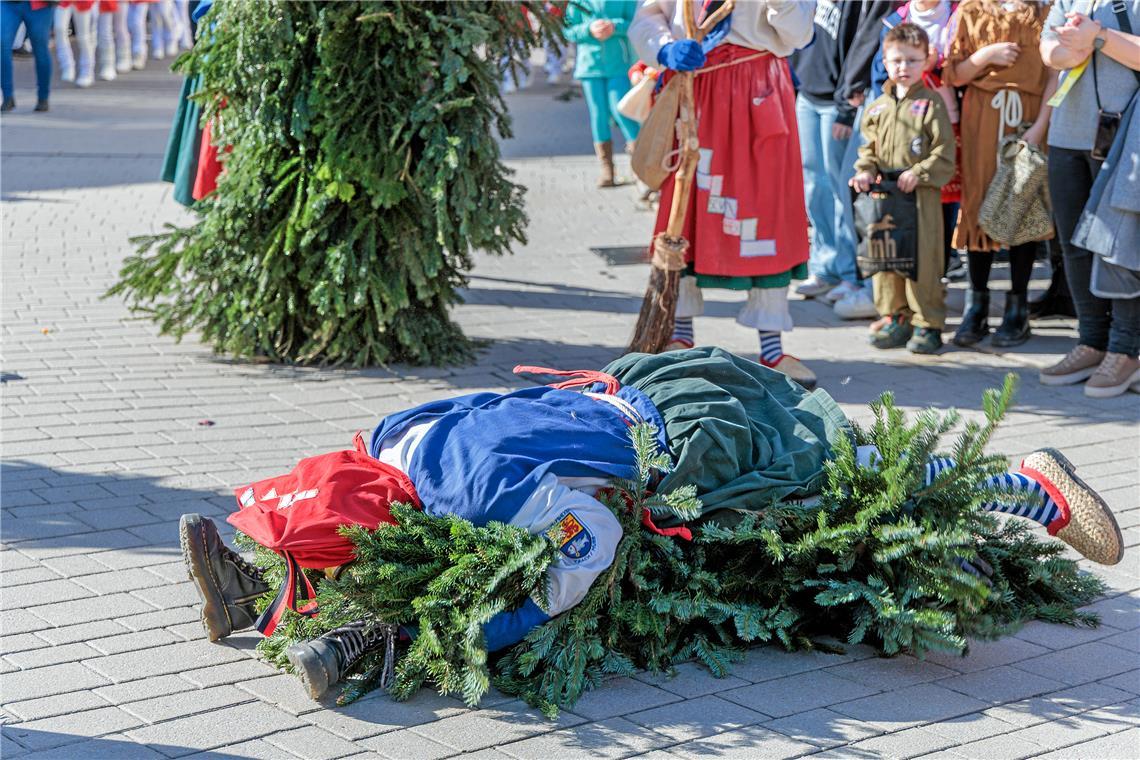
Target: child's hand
{"type": "Point", "coordinates": [602, 29]}
{"type": "Point", "coordinates": [908, 181]}
{"type": "Point", "coordinates": [862, 181]}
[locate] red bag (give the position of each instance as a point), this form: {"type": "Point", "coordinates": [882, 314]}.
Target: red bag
{"type": "Point", "coordinates": [297, 515]}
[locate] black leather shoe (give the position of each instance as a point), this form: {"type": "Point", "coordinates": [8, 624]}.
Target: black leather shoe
{"type": "Point", "coordinates": [8, 105]}
{"type": "Point", "coordinates": [41, 105]}
{"type": "Point", "coordinates": [974, 325]}
{"type": "Point", "coordinates": [1014, 329]}
{"type": "Point", "coordinates": [226, 583]}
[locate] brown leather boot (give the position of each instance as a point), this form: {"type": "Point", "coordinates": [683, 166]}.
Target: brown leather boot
{"type": "Point", "coordinates": [605, 153]}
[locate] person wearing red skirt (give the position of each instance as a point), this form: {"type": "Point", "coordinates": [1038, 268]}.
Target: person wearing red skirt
{"type": "Point", "coordinates": [746, 223]}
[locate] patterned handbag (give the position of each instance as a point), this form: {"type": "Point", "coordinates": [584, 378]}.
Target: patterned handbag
{"type": "Point", "coordinates": [1016, 208]}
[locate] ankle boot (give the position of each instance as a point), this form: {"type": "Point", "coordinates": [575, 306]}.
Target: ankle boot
{"type": "Point", "coordinates": [605, 153]}
{"type": "Point", "coordinates": [1014, 329]}
{"type": "Point", "coordinates": [322, 662]}
{"type": "Point", "coordinates": [227, 585]}
{"type": "Point", "coordinates": [974, 326]}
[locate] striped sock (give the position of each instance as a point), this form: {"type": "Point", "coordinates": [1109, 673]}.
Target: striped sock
{"type": "Point", "coordinates": [683, 330]}
{"type": "Point", "coordinates": [771, 347]}
{"type": "Point", "coordinates": [1042, 510]}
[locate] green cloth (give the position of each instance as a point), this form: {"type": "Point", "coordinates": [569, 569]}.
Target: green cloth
{"type": "Point", "coordinates": [611, 58]}
{"type": "Point", "coordinates": [726, 282]}
{"type": "Point", "coordinates": [180, 164]}
{"type": "Point", "coordinates": [745, 435]}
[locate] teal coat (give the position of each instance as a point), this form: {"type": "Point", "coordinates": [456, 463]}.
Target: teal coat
{"type": "Point", "coordinates": [611, 58]}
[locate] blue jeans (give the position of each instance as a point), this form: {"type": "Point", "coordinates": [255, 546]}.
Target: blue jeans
{"type": "Point", "coordinates": [38, 26]}
{"type": "Point", "coordinates": [828, 200]}
{"type": "Point", "coordinates": [602, 96]}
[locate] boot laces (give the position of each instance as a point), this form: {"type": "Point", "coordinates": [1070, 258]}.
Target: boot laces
{"type": "Point", "coordinates": [358, 638]}
{"type": "Point", "coordinates": [244, 566]}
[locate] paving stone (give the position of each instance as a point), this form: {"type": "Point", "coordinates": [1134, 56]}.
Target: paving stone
{"type": "Point", "coordinates": [492, 727]}
{"type": "Point", "coordinates": [971, 728]}
{"type": "Point", "coordinates": [620, 696]}
{"type": "Point", "coordinates": [823, 728]}
{"type": "Point", "coordinates": [696, 718]}
{"type": "Point", "coordinates": [40, 658]}
{"type": "Point", "coordinates": [1119, 745]}
{"type": "Point", "coordinates": [60, 704]}
{"type": "Point", "coordinates": [20, 621]}
{"type": "Point", "coordinates": [312, 743]}
{"type": "Point", "coordinates": [188, 702]}
{"type": "Point", "coordinates": [82, 632]}
{"type": "Point", "coordinates": [130, 642]}
{"type": "Point", "coordinates": [913, 742]}
{"type": "Point", "coordinates": [173, 658]}
{"type": "Point", "coordinates": [612, 738]}
{"type": "Point", "coordinates": [20, 642]}
{"type": "Point", "coordinates": [369, 717]}
{"type": "Point", "coordinates": [163, 619]}
{"type": "Point", "coordinates": [1129, 681]}
{"type": "Point", "coordinates": [1079, 664]}
{"type": "Point", "coordinates": [1001, 684]}
{"type": "Point", "coordinates": [109, 747]}
{"type": "Point", "coordinates": [904, 708]}
{"type": "Point", "coordinates": [283, 691]}
{"type": "Point", "coordinates": [1126, 640]}
{"type": "Point", "coordinates": [91, 609]}
{"type": "Point", "coordinates": [748, 743]}
{"type": "Point", "coordinates": [11, 579]}
{"type": "Point", "coordinates": [1055, 734]}
{"type": "Point", "coordinates": [48, 592]}
{"type": "Point", "coordinates": [146, 688]}
{"type": "Point", "coordinates": [690, 680]}
{"type": "Point", "coordinates": [243, 670]}
{"type": "Point", "coordinates": [256, 749]}
{"type": "Point", "coordinates": [767, 663]}
{"type": "Point", "coordinates": [988, 654]}
{"type": "Point", "coordinates": [797, 693]}
{"type": "Point", "coordinates": [44, 682]}
{"type": "Point", "coordinates": [73, 727]}
{"type": "Point", "coordinates": [214, 729]}
{"type": "Point", "coordinates": [1053, 636]}
{"type": "Point", "coordinates": [1006, 747]}
{"type": "Point", "coordinates": [890, 672]}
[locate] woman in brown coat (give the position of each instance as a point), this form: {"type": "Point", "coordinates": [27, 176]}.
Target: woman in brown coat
{"type": "Point", "coordinates": [993, 53]}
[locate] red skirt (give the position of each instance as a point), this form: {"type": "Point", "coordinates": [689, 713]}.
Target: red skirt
{"type": "Point", "coordinates": [746, 213]}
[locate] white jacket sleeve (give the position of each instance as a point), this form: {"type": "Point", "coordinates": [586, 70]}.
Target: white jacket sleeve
{"type": "Point", "coordinates": [589, 537]}
{"type": "Point", "coordinates": [652, 28]}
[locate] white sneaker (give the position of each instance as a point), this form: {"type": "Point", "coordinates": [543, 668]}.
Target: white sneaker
{"type": "Point", "coordinates": [85, 79]}
{"type": "Point", "coordinates": [138, 62]}
{"type": "Point", "coordinates": [108, 73]}
{"type": "Point", "coordinates": [67, 73]}
{"type": "Point", "coordinates": [857, 305]}
{"type": "Point", "coordinates": [840, 291]}
{"type": "Point", "coordinates": [172, 48]}
{"type": "Point", "coordinates": [813, 286]}
{"type": "Point", "coordinates": [123, 65]}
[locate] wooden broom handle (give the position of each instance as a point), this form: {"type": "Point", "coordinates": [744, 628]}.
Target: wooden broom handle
{"type": "Point", "coordinates": [683, 184]}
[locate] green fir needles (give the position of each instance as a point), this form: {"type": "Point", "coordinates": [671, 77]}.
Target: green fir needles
{"type": "Point", "coordinates": [361, 172]}
{"type": "Point", "coordinates": [878, 559]}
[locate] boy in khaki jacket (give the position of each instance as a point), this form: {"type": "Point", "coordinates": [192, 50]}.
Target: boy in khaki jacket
{"type": "Point", "coordinates": [908, 127]}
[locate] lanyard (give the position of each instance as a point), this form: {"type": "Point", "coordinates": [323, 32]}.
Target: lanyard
{"type": "Point", "coordinates": [1075, 73]}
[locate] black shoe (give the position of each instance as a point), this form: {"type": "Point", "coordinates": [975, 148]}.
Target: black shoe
{"type": "Point", "coordinates": [974, 325]}
{"type": "Point", "coordinates": [955, 270]}
{"type": "Point", "coordinates": [322, 662]}
{"type": "Point", "coordinates": [227, 584]}
{"type": "Point", "coordinates": [1051, 304]}
{"type": "Point", "coordinates": [1014, 329]}
{"type": "Point", "coordinates": [41, 105]}
{"type": "Point", "coordinates": [9, 105]}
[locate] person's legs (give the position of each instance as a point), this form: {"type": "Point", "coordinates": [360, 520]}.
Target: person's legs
{"type": "Point", "coordinates": [616, 88]}
{"type": "Point", "coordinates": [38, 24]}
{"type": "Point", "coordinates": [105, 48]}
{"type": "Point", "coordinates": [1124, 335]}
{"type": "Point", "coordinates": [1014, 328]}
{"type": "Point", "coordinates": [813, 124]}
{"type": "Point", "coordinates": [840, 156]}
{"type": "Point", "coordinates": [975, 325]}
{"type": "Point", "coordinates": [594, 88]}
{"type": "Point", "coordinates": [62, 24]}
{"type": "Point", "coordinates": [690, 303]}
{"type": "Point", "coordinates": [891, 301]}
{"type": "Point", "coordinates": [9, 23]}
{"type": "Point", "coordinates": [122, 35]}
{"type": "Point", "coordinates": [136, 24]}
{"type": "Point", "coordinates": [85, 43]}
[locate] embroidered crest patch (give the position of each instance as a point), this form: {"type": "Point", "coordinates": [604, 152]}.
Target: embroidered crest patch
{"type": "Point", "coordinates": [916, 146]}
{"type": "Point", "coordinates": [574, 539]}
{"type": "Point", "coordinates": [919, 107]}
{"type": "Point", "coordinates": [877, 109]}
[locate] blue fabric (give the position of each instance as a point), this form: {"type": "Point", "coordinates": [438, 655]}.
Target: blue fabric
{"type": "Point", "coordinates": [717, 34]}
{"type": "Point", "coordinates": [511, 626]}
{"type": "Point", "coordinates": [878, 68]}
{"type": "Point", "coordinates": [38, 26]}
{"type": "Point", "coordinates": [486, 453]}
{"type": "Point", "coordinates": [602, 96]}
{"type": "Point", "coordinates": [201, 10]}
{"type": "Point", "coordinates": [681, 55]}
{"type": "Point", "coordinates": [593, 58]}
{"type": "Point", "coordinates": [826, 194]}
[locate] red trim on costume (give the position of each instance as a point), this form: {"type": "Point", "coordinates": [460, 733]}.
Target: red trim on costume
{"type": "Point", "coordinates": [681, 530]}
{"type": "Point", "coordinates": [579, 377]}
{"type": "Point", "coordinates": [1061, 502]}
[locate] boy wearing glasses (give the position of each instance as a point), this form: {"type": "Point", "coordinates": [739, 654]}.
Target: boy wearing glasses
{"type": "Point", "coordinates": [907, 128]}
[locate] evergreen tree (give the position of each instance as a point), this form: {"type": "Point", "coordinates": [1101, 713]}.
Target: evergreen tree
{"type": "Point", "coordinates": [361, 171]}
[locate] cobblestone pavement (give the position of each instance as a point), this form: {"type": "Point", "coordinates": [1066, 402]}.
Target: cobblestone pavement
{"type": "Point", "coordinates": [102, 653]}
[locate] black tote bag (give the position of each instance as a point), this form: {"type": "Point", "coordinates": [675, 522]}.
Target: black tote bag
{"type": "Point", "coordinates": [886, 223]}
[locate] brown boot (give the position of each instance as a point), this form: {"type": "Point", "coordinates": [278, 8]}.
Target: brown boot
{"type": "Point", "coordinates": [605, 153]}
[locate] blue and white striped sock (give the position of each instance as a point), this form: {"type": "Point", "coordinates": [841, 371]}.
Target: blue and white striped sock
{"type": "Point", "coordinates": [771, 347]}
{"type": "Point", "coordinates": [1042, 509]}
{"type": "Point", "coordinates": [683, 330]}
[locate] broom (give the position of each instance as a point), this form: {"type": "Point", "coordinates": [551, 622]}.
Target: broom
{"type": "Point", "coordinates": [655, 321]}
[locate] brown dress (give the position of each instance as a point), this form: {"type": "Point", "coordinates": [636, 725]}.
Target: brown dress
{"type": "Point", "coordinates": [996, 102]}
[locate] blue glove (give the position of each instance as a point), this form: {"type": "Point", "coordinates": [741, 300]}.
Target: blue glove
{"type": "Point", "coordinates": [718, 33]}
{"type": "Point", "coordinates": [681, 55]}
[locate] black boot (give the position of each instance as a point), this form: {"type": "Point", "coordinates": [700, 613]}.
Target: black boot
{"type": "Point", "coordinates": [1014, 329]}
{"type": "Point", "coordinates": [322, 662]}
{"type": "Point", "coordinates": [974, 326]}
{"type": "Point", "coordinates": [226, 583]}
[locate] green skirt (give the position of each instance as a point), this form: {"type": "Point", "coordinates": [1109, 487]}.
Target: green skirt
{"type": "Point", "coordinates": [726, 282]}
{"type": "Point", "coordinates": [746, 436]}
{"type": "Point", "coordinates": [180, 163]}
